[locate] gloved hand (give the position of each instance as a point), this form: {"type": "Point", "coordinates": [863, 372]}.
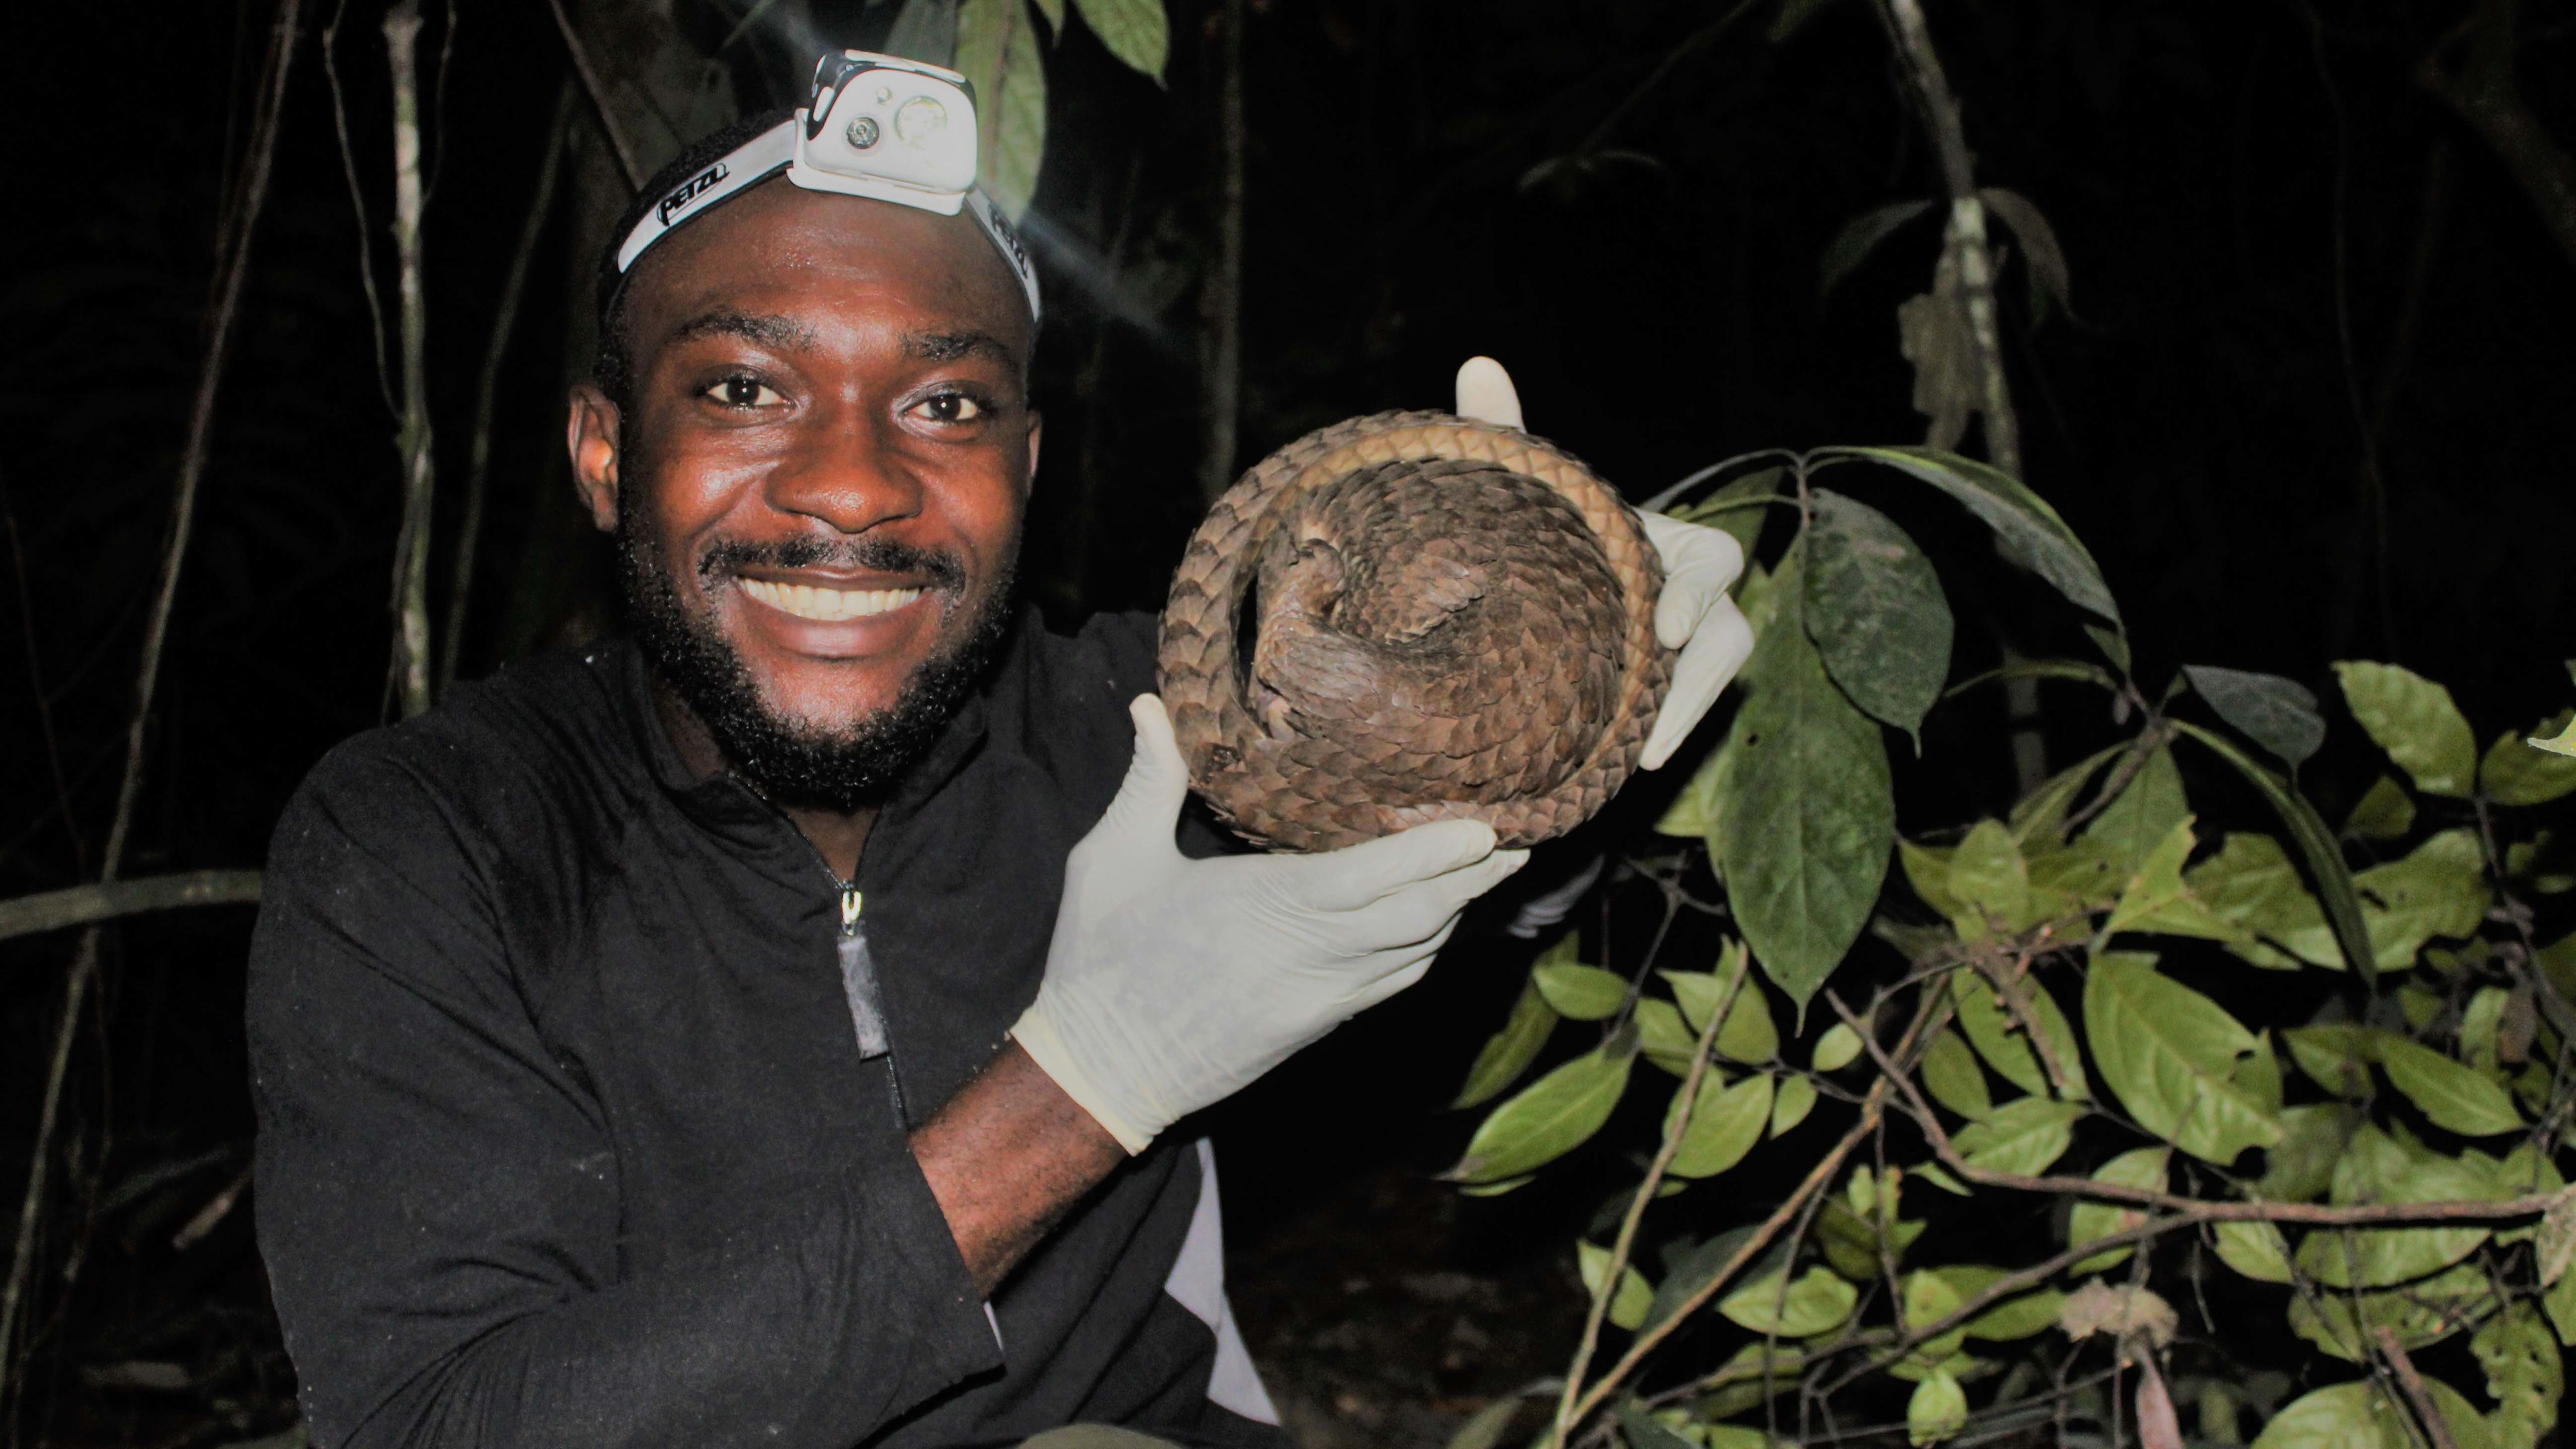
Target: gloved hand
{"type": "Point", "coordinates": [1694, 613]}
{"type": "Point", "coordinates": [1171, 982]}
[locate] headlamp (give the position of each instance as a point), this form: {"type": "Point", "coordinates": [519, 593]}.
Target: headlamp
{"type": "Point", "coordinates": [878, 126]}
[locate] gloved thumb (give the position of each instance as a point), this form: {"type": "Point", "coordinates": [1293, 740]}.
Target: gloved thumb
{"type": "Point", "coordinates": [1356, 875]}
{"type": "Point", "coordinates": [1149, 799]}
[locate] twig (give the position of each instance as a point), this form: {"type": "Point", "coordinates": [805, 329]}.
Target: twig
{"type": "Point", "coordinates": [478, 466]}
{"type": "Point", "coordinates": [1627, 1238]}
{"type": "Point", "coordinates": [598, 94]}
{"type": "Point", "coordinates": [1221, 295]}
{"type": "Point", "coordinates": [1816, 1180]}
{"type": "Point", "coordinates": [357, 205]}
{"type": "Point", "coordinates": [411, 546]}
{"type": "Point", "coordinates": [84, 905]}
{"type": "Point", "coordinates": [1966, 235]}
{"type": "Point", "coordinates": [2485, 94]}
{"type": "Point", "coordinates": [232, 266]}
{"type": "Point", "coordinates": [2412, 1382]}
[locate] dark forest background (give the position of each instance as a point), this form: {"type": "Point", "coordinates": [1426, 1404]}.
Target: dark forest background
{"type": "Point", "coordinates": [2313, 398]}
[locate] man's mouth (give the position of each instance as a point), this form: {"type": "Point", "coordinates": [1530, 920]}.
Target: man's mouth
{"type": "Point", "coordinates": [829, 606]}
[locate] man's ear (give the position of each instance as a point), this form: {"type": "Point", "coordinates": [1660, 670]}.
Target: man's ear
{"type": "Point", "coordinates": [590, 432]}
{"type": "Point", "coordinates": [1037, 434]}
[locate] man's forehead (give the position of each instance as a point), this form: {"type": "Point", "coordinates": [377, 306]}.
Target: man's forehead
{"type": "Point", "coordinates": [773, 261]}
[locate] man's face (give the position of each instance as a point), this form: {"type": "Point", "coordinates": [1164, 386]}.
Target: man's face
{"type": "Point", "coordinates": [819, 483]}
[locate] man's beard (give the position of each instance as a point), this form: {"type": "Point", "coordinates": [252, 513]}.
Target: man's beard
{"type": "Point", "coordinates": [841, 765]}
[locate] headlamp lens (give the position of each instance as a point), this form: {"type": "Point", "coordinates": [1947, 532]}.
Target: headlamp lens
{"type": "Point", "coordinates": [917, 122]}
{"type": "Point", "coordinates": [862, 133]}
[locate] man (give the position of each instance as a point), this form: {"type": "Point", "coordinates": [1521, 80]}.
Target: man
{"type": "Point", "coordinates": [766, 1030]}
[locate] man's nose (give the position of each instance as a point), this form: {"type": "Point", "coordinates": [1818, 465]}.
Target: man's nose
{"type": "Point", "coordinates": [846, 469]}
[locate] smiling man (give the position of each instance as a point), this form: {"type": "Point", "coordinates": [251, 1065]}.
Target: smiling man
{"type": "Point", "coordinates": [767, 1029]}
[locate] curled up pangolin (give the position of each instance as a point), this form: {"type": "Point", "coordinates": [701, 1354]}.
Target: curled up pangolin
{"type": "Point", "coordinates": [1413, 617]}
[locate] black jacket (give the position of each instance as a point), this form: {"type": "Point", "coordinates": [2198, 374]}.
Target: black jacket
{"type": "Point", "coordinates": [567, 1133]}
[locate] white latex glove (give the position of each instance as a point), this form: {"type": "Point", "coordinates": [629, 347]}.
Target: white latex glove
{"type": "Point", "coordinates": [1171, 982]}
{"type": "Point", "coordinates": [1694, 614]}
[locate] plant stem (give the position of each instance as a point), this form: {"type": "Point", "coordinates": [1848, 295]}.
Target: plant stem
{"type": "Point", "coordinates": [1627, 1238]}
{"type": "Point", "coordinates": [411, 545]}
{"type": "Point", "coordinates": [478, 465]}
{"type": "Point", "coordinates": [598, 94]}
{"type": "Point", "coordinates": [2418, 1396]}
{"type": "Point", "coordinates": [233, 264]}
{"type": "Point", "coordinates": [1221, 302]}
{"type": "Point", "coordinates": [84, 905]}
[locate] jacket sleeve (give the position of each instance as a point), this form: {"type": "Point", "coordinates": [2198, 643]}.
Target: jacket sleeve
{"type": "Point", "coordinates": [437, 1195]}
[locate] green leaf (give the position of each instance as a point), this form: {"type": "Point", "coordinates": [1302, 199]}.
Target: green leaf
{"type": "Point", "coordinates": [2439, 889]}
{"type": "Point", "coordinates": [2317, 846]}
{"type": "Point", "coordinates": [2560, 1304]}
{"type": "Point", "coordinates": [1484, 1429]}
{"type": "Point", "coordinates": [1509, 1052]}
{"type": "Point", "coordinates": [1642, 1430]}
{"type": "Point", "coordinates": [1938, 1409]}
{"type": "Point", "coordinates": [2143, 815]}
{"type": "Point", "coordinates": [2255, 1249]}
{"type": "Point", "coordinates": [2169, 1054]}
{"type": "Point", "coordinates": [1806, 815]}
{"type": "Point", "coordinates": [1135, 31]}
{"type": "Point", "coordinates": [2383, 1257]}
{"type": "Point", "coordinates": [1951, 1075]}
{"type": "Point", "coordinates": [2384, 813]}
{"type": "Point", "coordinates": [2251, 885]}
{"type": "Point", "coordinates": [2525, 1374]}
{"type": "Point", "coordinates": [1724, 1125]}
{"type": "Point", "coordinates": [2346, 1324]}
{"type": "Point", "coordinates": [997, 51]}
{"type": "Point", "coordinates": [1859, 237]}
{"type": "Point", "coordinates": [2356, 1415]}
{"type": "Point", "coordinates": [2454, 1096]}
{"type": "Point", "coordinates": [2313, 1138]}
{"type": "Point", "coordinates": [1989, 882]}
{"type": "Point", "coordinates": [2335, 1055]}
{"type": "Point", "coordinates": [1691, 1271]}
{"type": "Point", "coordinates": [2022, 1137]}
{"type": "Point", "coordinates": [2031, 1312]}
{"type": "Point", "coordinates": [1998, 1035]}
{"type": "Point", "coordinates": [2414, 720]}
{"type": "Point", "coordinates": [1053, 10]}
{"type": "Point", "coordinates": [1749, 1035]}
{"type": "Point", "coordinates": [1875, 611]}
{"type": "Point", "coordinates": [1817, 1301]}
{"type": "Point", "coordinates": [2040, 252]}
{"type": "Point", "coordinates": [2040, 816]}
{"type": "Point", "coordinates": [2260, 1074]}
{"type": "Point", "coordinates": [1790, 1105]}
{"type": "Point", "coordinates": [1665, 1041]}
{"type": "Point", "coordinates": [2563, 743]}
{"type": "Point", "coordinates": [1927, 870]}
{"type": "Point", "coordinates": [1547, 1119]}
{"type": "Point", "coordinates": [2278, 714]}
{"type": "Point", "coordinates": [1583, 993]}
{"type": "Point", "coordinates": [1693, 813]}
{"type": "Point", "coordinates": [1628, 1305]}
{"type": "Point", "coordinates": [1838, 1048]}
{"type": "Point", "coordinates": [2514, 773]}
{"type": "Point", "coordinates": [2156, 899]}
{"type": "Point", "coordinates": [2029, 531]}
{"type": "Point", "coordinates": [2091, 1221]}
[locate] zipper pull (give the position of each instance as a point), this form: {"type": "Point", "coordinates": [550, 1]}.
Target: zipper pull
{"type": "Point", "coordinates": [849, 910]}
{"type": "Point", "coordinates": [859, 979]}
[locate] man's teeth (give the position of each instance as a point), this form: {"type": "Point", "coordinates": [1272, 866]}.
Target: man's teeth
{"type": "Point", "coordinates": [829, 605]}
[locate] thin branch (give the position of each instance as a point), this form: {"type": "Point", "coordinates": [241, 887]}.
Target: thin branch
{"type": "Point", "coordinates": [2485, 93]}
{"type": "Point", "coordinates": [233, 265]}
{"type": "Point", "coordinates": [598, 94]}
{"type": "Point", "coordinates": [36, 684]}
{"type": "Point", "coordinates": [84, 905]}
{"type": "Point", "coordinates": [478, 466]}
{"type": "Point", "coordinates": [1816, 1180]}
{"type": "Point", "coordinates": [2420, 1397]}
{"type": "Point", "coordinates": [358, 205]}
{"type": "Point", "coordinates": [411, 663]}
{"type": "Point", "coordinates": [1627, 1238]}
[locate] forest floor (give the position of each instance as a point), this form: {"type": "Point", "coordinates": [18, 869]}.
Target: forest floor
{"type": "Point", "coordinates": [1378, 1319]}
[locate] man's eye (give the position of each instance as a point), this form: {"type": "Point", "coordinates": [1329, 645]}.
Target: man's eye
{"type": "Point", "coordinates": [949, 407]}
{"type": "Point", "coordinates": [744, 392]}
